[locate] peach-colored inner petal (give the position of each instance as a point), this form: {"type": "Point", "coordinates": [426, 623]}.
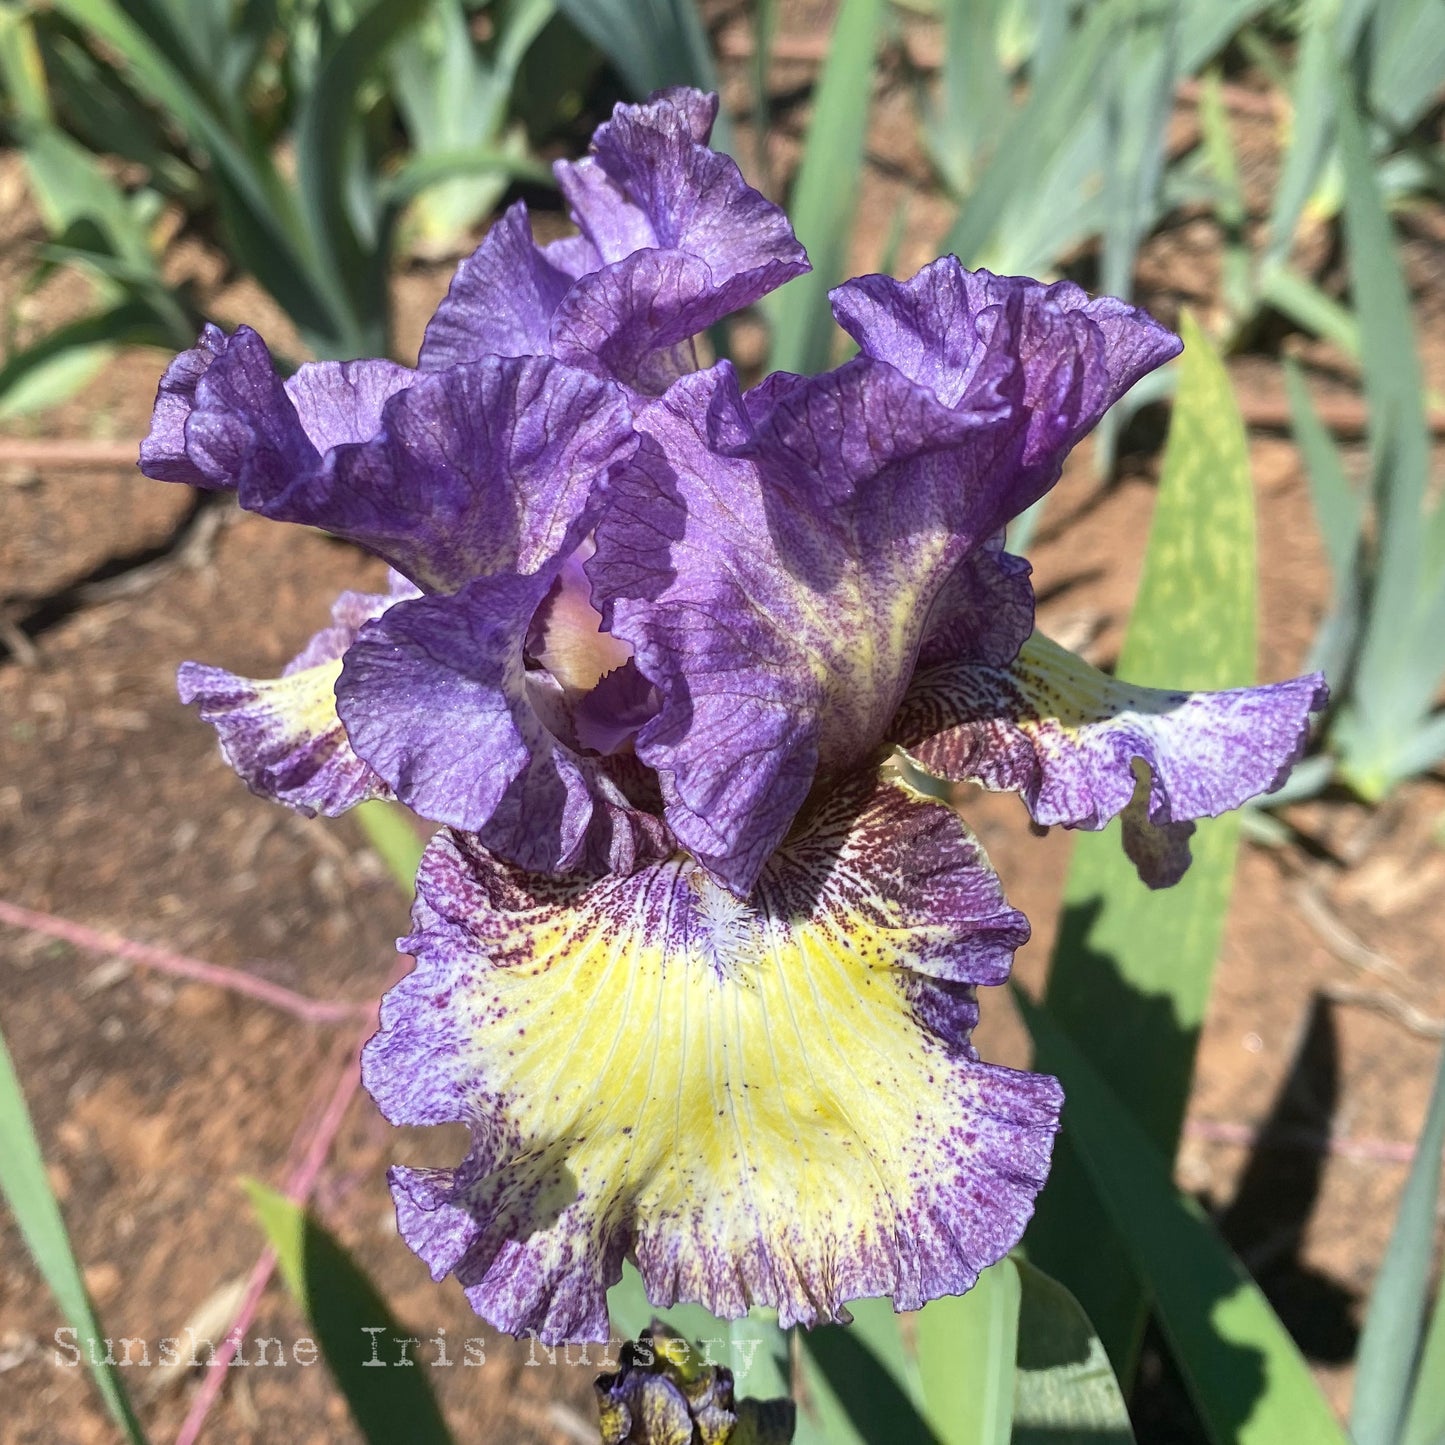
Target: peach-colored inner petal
{"type": "Point", "coordinates": [575, 650]}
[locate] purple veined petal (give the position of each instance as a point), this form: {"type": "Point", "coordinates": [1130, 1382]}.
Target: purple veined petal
{"type": "Point", "coordinates": [610, 716]}
{"type": "Point", "coordinates": [932, 328]}
{"type": "Point", "coordinates": [340, 403]}
{"type": "Point", "coordinates": [1081, 748]}
{"type": "Point", "coordinates": [282, 735]}
{"type": "Point", "coordinates": [984, 612]}
{"type": "Point", "coordinates": [652, 181]}
{"type": "Point", "coordinates": [774, 576]}
{"type": "Point", "coordinates": [1058, 357]}
{"type": "Point", "coordinates": [682, 241]}
{"type": "Point", "coordinates": [764, 1103]}
{"type": "Point", "coordinates": [673, 239]}
{"type": "Point", "coordinates": [501, 301]}
{"type": "Point", "coordinates": [635, 319]}
{"type": "Point", "coordinates": [163, 453]}
{"type": "Point", "coordinates": [574, 256]}
{"type": "Point", "coordinates": [486, 468]}
{"type": "Point", "coordinates": [435, 696]}
{"type": "Point", "coordinates": [447, 475]}
{"type": "Point", "coordinates": [225, 420]}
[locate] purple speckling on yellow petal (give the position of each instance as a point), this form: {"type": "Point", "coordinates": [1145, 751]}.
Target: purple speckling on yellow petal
{"type": "Point", "coordinates": [771, 1102]}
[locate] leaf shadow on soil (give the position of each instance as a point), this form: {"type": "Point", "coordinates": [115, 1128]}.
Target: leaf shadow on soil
{"type": "Point", "coordinates": [1265, 1223]}
{"type": "Point", "coordinates": [1278, 1190]}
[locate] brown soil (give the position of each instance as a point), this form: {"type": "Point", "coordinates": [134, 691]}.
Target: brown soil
{"type": "Point", "coordinates": [152, 1100]}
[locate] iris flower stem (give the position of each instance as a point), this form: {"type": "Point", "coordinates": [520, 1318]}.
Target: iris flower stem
{"type": "Point", "coordinates": [162, 960]}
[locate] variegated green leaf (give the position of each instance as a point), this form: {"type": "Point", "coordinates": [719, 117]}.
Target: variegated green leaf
{"type": "Point", "coordinates": [1132, 969]}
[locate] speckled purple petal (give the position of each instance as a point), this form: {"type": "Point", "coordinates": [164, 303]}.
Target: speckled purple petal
{"type": "Point", "coordinates": [1060, 358]}
{"type": "Point", "coordinates": [282, 735]}
{"type": "Point", "coordinates": [438, 700]}
{"type": "Point", "coordinates": [1078, 746]}
{"type": "Point", "coordinates": [446, 475]}
{"type": "Point", "coordinates": [984, 612]}
{"type": "Point", "coordinates": [774, 575]}
{"type": "Point", "coordinates": [765, 1103]}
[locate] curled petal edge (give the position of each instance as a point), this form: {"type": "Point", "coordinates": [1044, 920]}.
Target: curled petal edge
{"type": "Point", "coordinates": [282, 735]}
{"type": "Point", "coordinates": [1081, 747]}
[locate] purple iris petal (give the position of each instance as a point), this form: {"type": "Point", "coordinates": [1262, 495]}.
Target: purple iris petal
{"type": "Point", "coordinates": [984, 612]}
{"type": "Point", "coordinates": [610, 716]}
{"type": "Point", "coordinates": [435, 696]}
{"type": "Point", "coordinates": [501, 301]}
{"type": "Point", "coordinates": [773, 1102]}
{"type": "Point", "coordinates": [481, 469]}
{"type": "Point", "coordinates": [339, 403]}
{"type": "Point", "coordinates": [282, 735]}
{"type": "Point", "coordinates": [506, 461]}
{"type": "Point", "coordinates": [672, 240]}
{"type": "Point", "coordinates": [1081, 748]}
{"type": "Point", "coordinates": [1066, 358]}
{"type": "Point", "coordinates": [163, 453]}
{"type": "Point", "coordinates": [645, 183]}
{"type": "Point", "coordinates": [274, 442]}
{"type": "Point", "coordinates": [224, 420]}
{"type": "Point", "coordinates": [491, 467]}
{"type": "Point", "coordinates": [774, 574]}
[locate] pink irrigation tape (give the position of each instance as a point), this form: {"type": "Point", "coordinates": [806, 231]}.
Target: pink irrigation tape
{"type": "Point", "coordinates": [162, 960]}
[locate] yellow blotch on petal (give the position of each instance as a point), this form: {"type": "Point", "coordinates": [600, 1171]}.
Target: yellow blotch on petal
{"type": "Point", "coordinates": [752, 1094]}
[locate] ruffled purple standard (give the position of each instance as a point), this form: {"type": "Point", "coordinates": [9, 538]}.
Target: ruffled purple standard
{"type": "Point", "coordinates": [1057, 357]}
{"type": "Point", "coordinates": [446, 476]}
{"type": "Point", "coordinates": [479, 479]}
{"type": "Point", "coordinates": [672, 240]}
{"type": "Point", "coordinates": [984, 612]}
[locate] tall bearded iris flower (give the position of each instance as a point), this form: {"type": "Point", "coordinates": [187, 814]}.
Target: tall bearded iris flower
{"type": "Point", "coordinates": [694, 962]}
